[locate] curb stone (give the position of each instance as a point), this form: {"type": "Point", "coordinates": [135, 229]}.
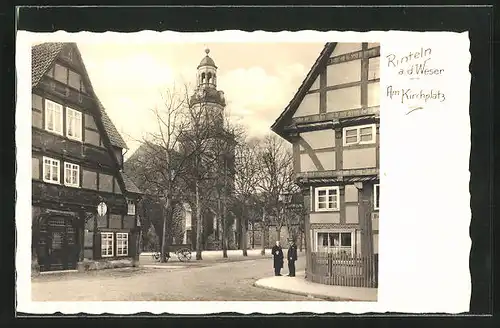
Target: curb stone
{"type": "Point", "coordinates": [323, 297]}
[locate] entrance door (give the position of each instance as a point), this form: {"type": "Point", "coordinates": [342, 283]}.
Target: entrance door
{"type": "Point", "coordinates": [58, 244]}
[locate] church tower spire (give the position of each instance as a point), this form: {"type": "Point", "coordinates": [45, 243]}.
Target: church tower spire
{"type": "Point", "coordinates": [206, 83]}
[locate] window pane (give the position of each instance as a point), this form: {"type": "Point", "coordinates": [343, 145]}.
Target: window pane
{"type": "Point", "coordinates": [322, 239]}
{"type": "Point", "coordinates": [366, 137]}
{"type": "Point", "coordinates": [321, 205]}
{"type": "Point", "coordinates": [61, 74]}
{"type": "Point", "coordinates": [351, 139]}
{"type": "Point", "coordinates": [321, 193]}
{"type": "Point", "coordinates": [334, 239]}
{"type": "Point", "coordinates": [346, 239]}
{"type": "Point", "coordinates": [343, 73]}
{"type": "Point", "coordinates": [322, 199]}
{"type": "Point", "coordinates": [351, 132]}
{"type": "Point", "coordinates": [367, 130]}
{"type": "Point", "coordinates": [343, 99]}
{"type": "Point", "coordinates": [74, 80]}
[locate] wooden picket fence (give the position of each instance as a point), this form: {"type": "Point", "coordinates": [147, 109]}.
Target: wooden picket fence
{"type": "Point", "coordinates": [344, 270]}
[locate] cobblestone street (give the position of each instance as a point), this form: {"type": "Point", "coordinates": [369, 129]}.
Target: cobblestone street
{"type": "Point", "coordinates": [197, 281]}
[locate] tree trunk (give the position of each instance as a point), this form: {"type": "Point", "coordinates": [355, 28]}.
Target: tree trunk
{"type": "Point", "coordinates": [243, 238]}
{"type": "Point", "coordinates": [164, 247]}
{"type": "Point", "coordinates": [199, 224]}
{"type": "Point", "coordinates": [278, 233]}
{"type": "Point", "coordinates": [263, 233]}
{"type": "Point", "coordinates": [224, 229]}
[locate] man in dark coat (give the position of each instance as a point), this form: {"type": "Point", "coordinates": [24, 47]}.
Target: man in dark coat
{"type": "Point", "coordinates": [278, 258]}
{"type": "Point", "coordinates": [292, 257]}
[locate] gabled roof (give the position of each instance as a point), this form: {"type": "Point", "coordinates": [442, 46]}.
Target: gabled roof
{"type": "Point", "coordinates": [290, 109]}
{"type": "Point", "coordinates": [42, 58]}
{"type": "Point", "coordinates": [129, 184]}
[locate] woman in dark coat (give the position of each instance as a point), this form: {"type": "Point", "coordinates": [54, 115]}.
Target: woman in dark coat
{"type": "Point", "coordinates": [278, 258]}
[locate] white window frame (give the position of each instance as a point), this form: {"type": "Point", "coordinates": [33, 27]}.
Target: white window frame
{"type": "Point", "coordinates": [53, 113]}
{"type": "Point", "coordinates": [72, 167]}
{"type": "Point", "coordinates": [121, 242]}
{"type": "Point", "coordinates": [53, 161]}
{"type": "Point", "coordinates": [104, 251]}
{"type": "Point", "coordinates": [351, 231]}
{"type": "Point", "coordinates": [327, 208]}
{"type": "Point", "coordinates": [375, 195]}
{"type": "Point", "coordinates": [76, 127]}
{"type": "Point", "coordinates": [358, 136]}
{"type": "Point", "coordinates": [130, 207]}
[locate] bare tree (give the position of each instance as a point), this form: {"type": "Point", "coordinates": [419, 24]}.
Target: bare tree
{"type": "Point", "coordinates": [247, 169]}
{"type": "Point", "coordinates": [159, 165]}
{"type": "Point", "coordinates": [276, 178]}
{"type": "Point", "coordinates": [200, 141]}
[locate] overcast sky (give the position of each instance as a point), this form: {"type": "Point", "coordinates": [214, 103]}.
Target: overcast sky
{"type": "Point", "coordinates": [258, 79]}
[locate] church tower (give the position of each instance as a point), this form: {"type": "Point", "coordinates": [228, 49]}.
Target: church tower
{"type": "Point", "coordinates": [209, 100]}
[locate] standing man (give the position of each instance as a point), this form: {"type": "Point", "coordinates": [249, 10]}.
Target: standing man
{"type": "Point", "coordinates": [278, 258]}
{"type": "Point", "coordinates": [292, 257]}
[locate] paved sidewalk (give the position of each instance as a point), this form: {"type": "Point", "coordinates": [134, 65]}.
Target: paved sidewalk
{"type": "Point", "coordinates": [300, 286]}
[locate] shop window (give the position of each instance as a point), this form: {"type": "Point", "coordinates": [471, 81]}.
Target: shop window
{"type": "Point", "coordinates": [334, 242]}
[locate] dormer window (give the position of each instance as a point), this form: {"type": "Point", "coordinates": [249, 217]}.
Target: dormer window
{"type": "Point", "coordinates": [130, 207]}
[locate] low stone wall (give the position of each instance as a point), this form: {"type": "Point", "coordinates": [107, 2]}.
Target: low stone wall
{"type": "Point", "coordinates": [91, 265]}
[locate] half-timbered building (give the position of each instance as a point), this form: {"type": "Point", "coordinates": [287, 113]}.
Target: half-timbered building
{"type": "Point", "coordinates": [77, 163]}
{"type": "Point", "coordinates": [333, 125]}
